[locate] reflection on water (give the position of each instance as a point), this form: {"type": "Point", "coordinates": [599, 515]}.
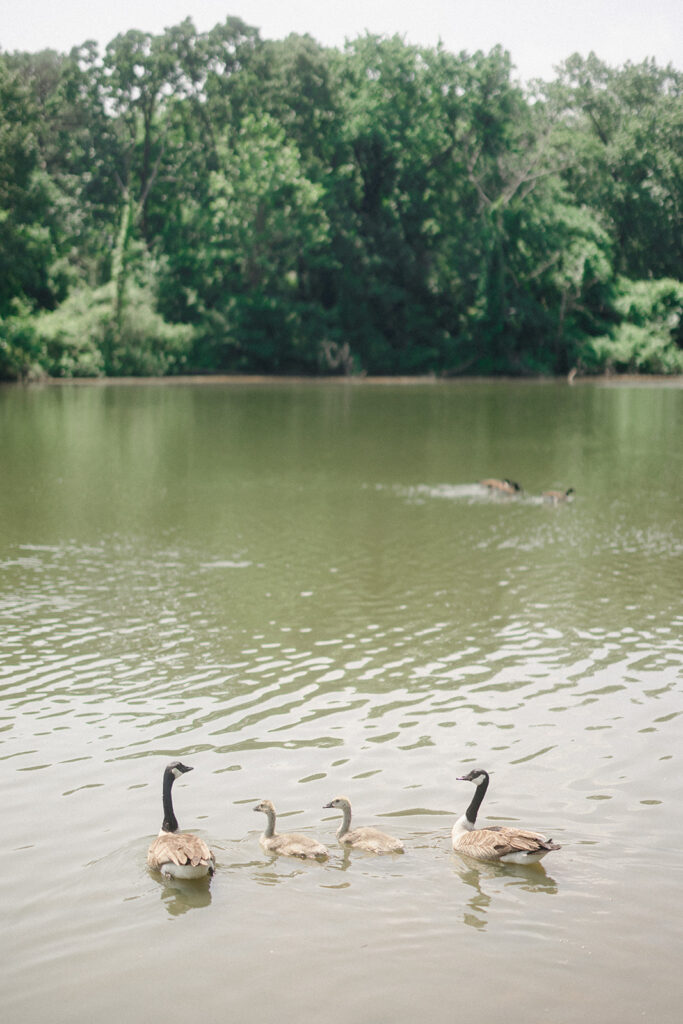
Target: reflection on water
{"type": "Point", "coordinates": [487, 880]}
{"type": "Point", "coordinates": [303, 590]}
{"type": "Point", "coordinates": [276, 869]}
{"type": "Point", "coordinates": [180, 895]}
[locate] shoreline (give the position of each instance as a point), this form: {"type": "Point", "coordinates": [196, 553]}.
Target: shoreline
{"type": "Point", "coordinates": [600, 380]}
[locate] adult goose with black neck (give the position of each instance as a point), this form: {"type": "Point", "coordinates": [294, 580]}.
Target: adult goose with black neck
{"type": "Point", "coordinates": [496, 842]}
{"type": "Point", "coordinates": [178, 854]}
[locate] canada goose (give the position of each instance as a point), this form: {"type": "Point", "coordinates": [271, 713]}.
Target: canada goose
{"type": "Point", "coordinates": [502, 486]}
{"type": "Point", "coordinates": [557, 496]}
{"type": "Point", "coordinates": [496, 842]}
{"type": "Point", "coordinates": [364, 838]}
{"type": "Point", "coordinates": [289, 844]}
{"type": "Point", "coordinates": [178, 854]}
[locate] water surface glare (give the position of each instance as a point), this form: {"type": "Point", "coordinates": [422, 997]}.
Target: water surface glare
{"type": "Point", "coordinates": [302, 590]}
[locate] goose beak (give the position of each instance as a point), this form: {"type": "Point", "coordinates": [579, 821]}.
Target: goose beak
{"type": "Point", "coordinates": [325, 806]}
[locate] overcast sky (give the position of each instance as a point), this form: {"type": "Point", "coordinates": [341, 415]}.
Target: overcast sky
{"type": "Point", "coordinates": [538, 33]}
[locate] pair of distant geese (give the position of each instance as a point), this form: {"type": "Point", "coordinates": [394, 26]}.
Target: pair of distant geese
{"type": "Point", "coordinates": [183, 855]}
{"type": "Point", "coordinates": [512, 487]}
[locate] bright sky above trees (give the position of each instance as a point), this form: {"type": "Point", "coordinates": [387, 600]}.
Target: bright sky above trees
{"type": "Point", "coordinates": [539, 34]}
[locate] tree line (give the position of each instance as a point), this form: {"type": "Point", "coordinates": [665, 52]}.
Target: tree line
{"type": "Point", "coordinates": [218, 202]}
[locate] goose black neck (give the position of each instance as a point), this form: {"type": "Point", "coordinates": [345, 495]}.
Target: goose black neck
{"type": "Point", "coordinates": [170, 823]}
{"type": "Point", "coordinates": [479, 794]}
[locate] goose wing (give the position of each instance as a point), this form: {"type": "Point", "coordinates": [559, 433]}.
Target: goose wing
{"type": "Point", "coordinates": [499, 841]}
{"type": "Point", "coordinates": [179, 848]}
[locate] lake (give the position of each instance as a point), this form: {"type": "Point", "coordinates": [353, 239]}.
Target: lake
{"type": "Point", "coordinates": [300, 589]}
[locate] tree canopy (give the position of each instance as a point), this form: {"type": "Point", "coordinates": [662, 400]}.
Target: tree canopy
{"type": "Point", "coordinates": [220, 202]}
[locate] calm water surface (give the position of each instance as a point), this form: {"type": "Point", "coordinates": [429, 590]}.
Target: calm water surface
{"type": "Point", "coordinates": [300, 590]}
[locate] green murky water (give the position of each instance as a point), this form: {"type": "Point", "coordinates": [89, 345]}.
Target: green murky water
{"type": "Point", "coordinates": [301, 590]}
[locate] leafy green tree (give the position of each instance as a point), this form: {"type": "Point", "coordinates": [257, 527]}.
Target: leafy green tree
{"type": "Point", "coordinates": [267, 229]}
{"type": "Point", "coordinates": [203, 109]}
{"type": "Point", "coordinates": [76, 148]}
{"type": "Point", "coordinates": [27, 247]}
{"type": "Point", "coordinates": [294, 82]}
{"type": "Point", "coordinates": [384, 201]}
{"type": "Point", "coordinates": [649, 335]}
{"type": "Point", "coordinates": [21, 355]}
{"type": "Point", "coordinates": [626, 128]}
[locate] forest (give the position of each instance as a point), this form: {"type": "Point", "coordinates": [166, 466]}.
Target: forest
{"type": "Point", "coordinates": [217, 202]}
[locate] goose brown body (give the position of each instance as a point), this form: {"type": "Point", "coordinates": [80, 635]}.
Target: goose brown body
{"type": "Point", "coordinates": [501, 486]}
{"type": "Point", "coordinates": [557, 496]}
{"type": "Point", "coordinates": [365, 837]}
{"type": "Point", "coordinates": [178, 854]}
{"type": "Point", "coordinates": [507, 844]}
{"type": "Point", "coordinates": [180, 850]}
{"type": "Point", "coordinates": [497, 842]}
{"type": "Point", "coordinates": [288, 844]}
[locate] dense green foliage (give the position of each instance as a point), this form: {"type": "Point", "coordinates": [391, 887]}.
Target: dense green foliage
{"type": "Point", "coordinates": [218, 202]}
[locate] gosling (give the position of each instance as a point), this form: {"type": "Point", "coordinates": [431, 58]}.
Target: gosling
{"type": "Point", "coordinates": [364, 838]}
{"type": "Point", "coordinates": [288, 844]}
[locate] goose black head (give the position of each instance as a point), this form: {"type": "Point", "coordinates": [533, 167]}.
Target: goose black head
{"type": "Point", "coordinates": [177, 768]}
{"type": "Point", "coordinates": [477, 776]}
